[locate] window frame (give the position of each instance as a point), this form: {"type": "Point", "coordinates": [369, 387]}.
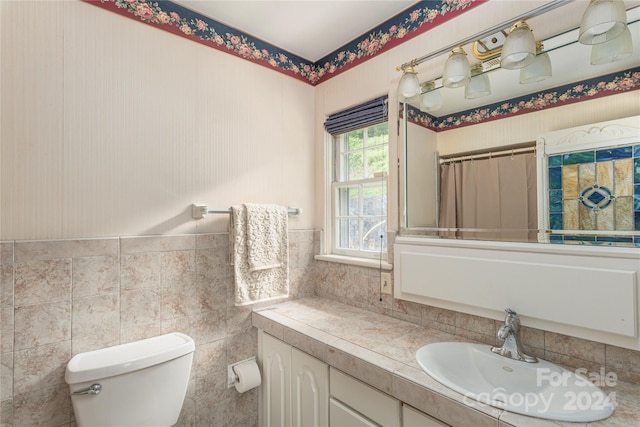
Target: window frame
{"type": "Point", "coordinates": [337, 169]}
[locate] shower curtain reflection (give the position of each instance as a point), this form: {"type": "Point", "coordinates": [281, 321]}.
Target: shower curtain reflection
{"type": "Point", "coordinates": [491, 198]}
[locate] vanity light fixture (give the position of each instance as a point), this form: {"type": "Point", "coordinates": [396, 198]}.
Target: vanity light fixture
{"type": "Point", "coordinates": [479, 84]}
{"type": "Point", "coordinates": [540, 68]}
{"type": "Point", "coordinates": [431, 99]}
{"type": "Point", "coordinates": [409, 85]}
{"type": "Point", "coordinates": [603, 23]}
{"type": "Point", "coordinates": [456, 70]}
{"type": "Point", "coordinates": [519, 49]}
{"type": "Point", "coordinates": [603, 20]}
{"type": "Point", "coordinates": [612, 50]}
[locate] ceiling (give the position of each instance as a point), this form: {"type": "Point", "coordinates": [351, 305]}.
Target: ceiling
{"type": "Point", "coordinates": [300, 26]}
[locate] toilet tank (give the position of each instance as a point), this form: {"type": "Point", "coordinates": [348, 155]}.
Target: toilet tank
{"type": "Point", "coordinates": [142, 383]}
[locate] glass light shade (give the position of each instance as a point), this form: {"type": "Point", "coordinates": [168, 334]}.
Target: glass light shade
{"type": "Point", "coordinates": [539, 70]}
{"type": "Point", "coordinates": [478, 87]}
{"type": "Point", "coordinates": [456, 70]}
{"type": "Point", "coordinates": [602, 21]}
{"type": "Point", "coordinates": [431, 101]}
{"type": "Point", "coordinates": [409, 85]}
{"type": "Point", "coordinates": [612, 50]}
{"type": "Point", "coordinates": [519, 49]}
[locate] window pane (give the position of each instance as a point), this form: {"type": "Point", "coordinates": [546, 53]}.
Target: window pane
{"type": "Point", "coordinates": [355, 139]}
{"type": "Point", "coordinates": [377, 160]}
{"type": "Point", "coordinates": [348, 232]}
{"type": "Point", "coordinates": [348, 201]}
{"type": "Point", "coordinates": [374, 200]}
{"type": "Point", "coordinates": [378, 134]}
{"type": "Point", "coordinates": [356, 166]}
{"type": "Point", "coordinates": [374, 234]}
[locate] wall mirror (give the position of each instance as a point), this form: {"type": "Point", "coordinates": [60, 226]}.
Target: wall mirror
{"type": "Point", "coordinates": [501, 192]}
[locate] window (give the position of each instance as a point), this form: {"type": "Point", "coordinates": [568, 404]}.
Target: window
{"type": "Point", "coordinates": [361, 162]}
{"type": "Point", "coordinates": [359, 159]}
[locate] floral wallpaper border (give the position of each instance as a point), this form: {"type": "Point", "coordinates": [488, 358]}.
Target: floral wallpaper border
{"type": "Point", "coordinates": [181, 21]}
{"type": "Point", "coordinates": [610, 84]}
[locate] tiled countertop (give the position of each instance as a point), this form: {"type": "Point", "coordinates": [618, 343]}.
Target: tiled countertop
{"type": "Point", "coordinates": [380, 350]}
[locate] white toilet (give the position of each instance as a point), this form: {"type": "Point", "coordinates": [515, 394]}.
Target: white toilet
{"type": "Point", "coordinates": [142, 383]}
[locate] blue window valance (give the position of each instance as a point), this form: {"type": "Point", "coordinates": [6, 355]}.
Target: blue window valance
{"type": "Point", "coordinates": [364, 115]}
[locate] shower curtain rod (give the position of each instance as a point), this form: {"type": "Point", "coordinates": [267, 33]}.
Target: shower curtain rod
{"type": "Point", "coordinates": [199, 211]}
{"type": "Point", "coordinates": [475, 155]}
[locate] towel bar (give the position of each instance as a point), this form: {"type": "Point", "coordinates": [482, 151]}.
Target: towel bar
{"type": "Point", "coordinates": [200, 211]}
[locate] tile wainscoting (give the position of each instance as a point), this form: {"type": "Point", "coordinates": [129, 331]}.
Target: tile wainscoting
{"type": "Point", "coordinates": [62, 297]}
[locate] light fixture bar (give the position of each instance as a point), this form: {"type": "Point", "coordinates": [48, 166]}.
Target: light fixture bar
{"type": "Point", "coordinates": [498, 27]}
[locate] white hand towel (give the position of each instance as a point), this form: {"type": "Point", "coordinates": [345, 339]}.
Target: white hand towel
{"type": "Point", "coordinates": [266, 235]}
{"type": "Point", "coordinates": [259, 234]}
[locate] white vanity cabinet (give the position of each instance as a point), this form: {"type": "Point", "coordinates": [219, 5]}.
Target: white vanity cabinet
{"type": "Point", "coordinates": [295, 386]}
{"type": "Point", "coordinates": [299, 390]}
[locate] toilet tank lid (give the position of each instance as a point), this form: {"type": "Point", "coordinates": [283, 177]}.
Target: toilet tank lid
{"type": "Point", "coordinates": [124, 358]}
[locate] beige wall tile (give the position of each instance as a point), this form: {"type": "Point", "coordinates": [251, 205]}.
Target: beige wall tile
{"type": "Point", "coordinates": [42, 324]}
{"type": "Point", "coordinates": [177, 267]}
{"type": "Point", "coordinates": [132, 245]}
{"type": "Point", "coordinates": [140, 270]}
{"type": "Point", "coordinates": [28, 251]}
{"type": "Point", "coordinates": [95, 322]}
{"type": "Point", "coordinates": [43, 281]}
{"type": "Point", "coordinates": [6, 413]}
{"type": "Point", "coordinates": [575, 347]}
{"type": "Point", "coordinates": [6, 376]}
{"type": "Point", "coordinates": [96, 276]}
{"type": "Point", "coordinates": [179, 300]}
{"type": "Point", "coordinates": [140, 306]}
{"type": "Point", "coordinates": [6, 297]}
{"type": "Point", "coordinates": [624, 363]}
{"type": "Point", "coordinates": [213, 263]}
{"type": "Point", "coordinates": [47, 406]}
{"type": "Point", "coordinates": [477, 324]}
{"type": "Point", "coordinates": [40, 367]}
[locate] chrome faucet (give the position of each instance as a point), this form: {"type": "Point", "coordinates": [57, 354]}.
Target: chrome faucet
{"type": "Point", "coordinates": [510, 334]}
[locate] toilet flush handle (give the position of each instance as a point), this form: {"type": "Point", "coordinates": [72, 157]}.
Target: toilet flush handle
{"type": "Point", "coordinates": [92, 389]}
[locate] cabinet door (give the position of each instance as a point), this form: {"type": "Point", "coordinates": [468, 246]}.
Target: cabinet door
{"type": "Point", "coordinates": [343, 416]}
{"type": "Point", "coordinates": [309, 390]}
{"type": "Point", "coordinates": [413, 418]}
{"type": "Point", "coordinates": [276, 385]}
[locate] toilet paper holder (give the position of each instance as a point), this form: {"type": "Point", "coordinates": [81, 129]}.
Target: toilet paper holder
{"type": "Point", "coordinates": [232, 377]}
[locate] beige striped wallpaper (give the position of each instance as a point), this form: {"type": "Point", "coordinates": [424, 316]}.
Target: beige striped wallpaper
{"type": "Point", "coordinates": [111, 127]}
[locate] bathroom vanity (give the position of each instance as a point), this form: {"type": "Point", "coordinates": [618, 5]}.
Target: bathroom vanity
{"type": "Point", "coordinates": [358, 368]}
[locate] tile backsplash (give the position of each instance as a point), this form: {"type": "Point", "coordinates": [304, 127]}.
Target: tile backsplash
{"type": "Point", "coordinates": [359, 286]}
{"type": "Point", "coordinates": [62, 297]}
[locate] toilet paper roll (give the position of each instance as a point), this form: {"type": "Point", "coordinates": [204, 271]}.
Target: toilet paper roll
{"type": "Point", "coordinates": [248, 375]}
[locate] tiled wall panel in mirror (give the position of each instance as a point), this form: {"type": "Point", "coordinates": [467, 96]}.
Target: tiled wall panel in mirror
{"type": "Point", "coordinates": [595, 190]}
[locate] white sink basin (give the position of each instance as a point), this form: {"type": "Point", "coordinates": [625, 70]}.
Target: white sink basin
{"type": "Point", "coordinates": [542, 389]}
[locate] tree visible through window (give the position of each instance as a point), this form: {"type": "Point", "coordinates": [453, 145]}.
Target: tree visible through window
{"type": "Point", "coordinates": [359, 188]}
